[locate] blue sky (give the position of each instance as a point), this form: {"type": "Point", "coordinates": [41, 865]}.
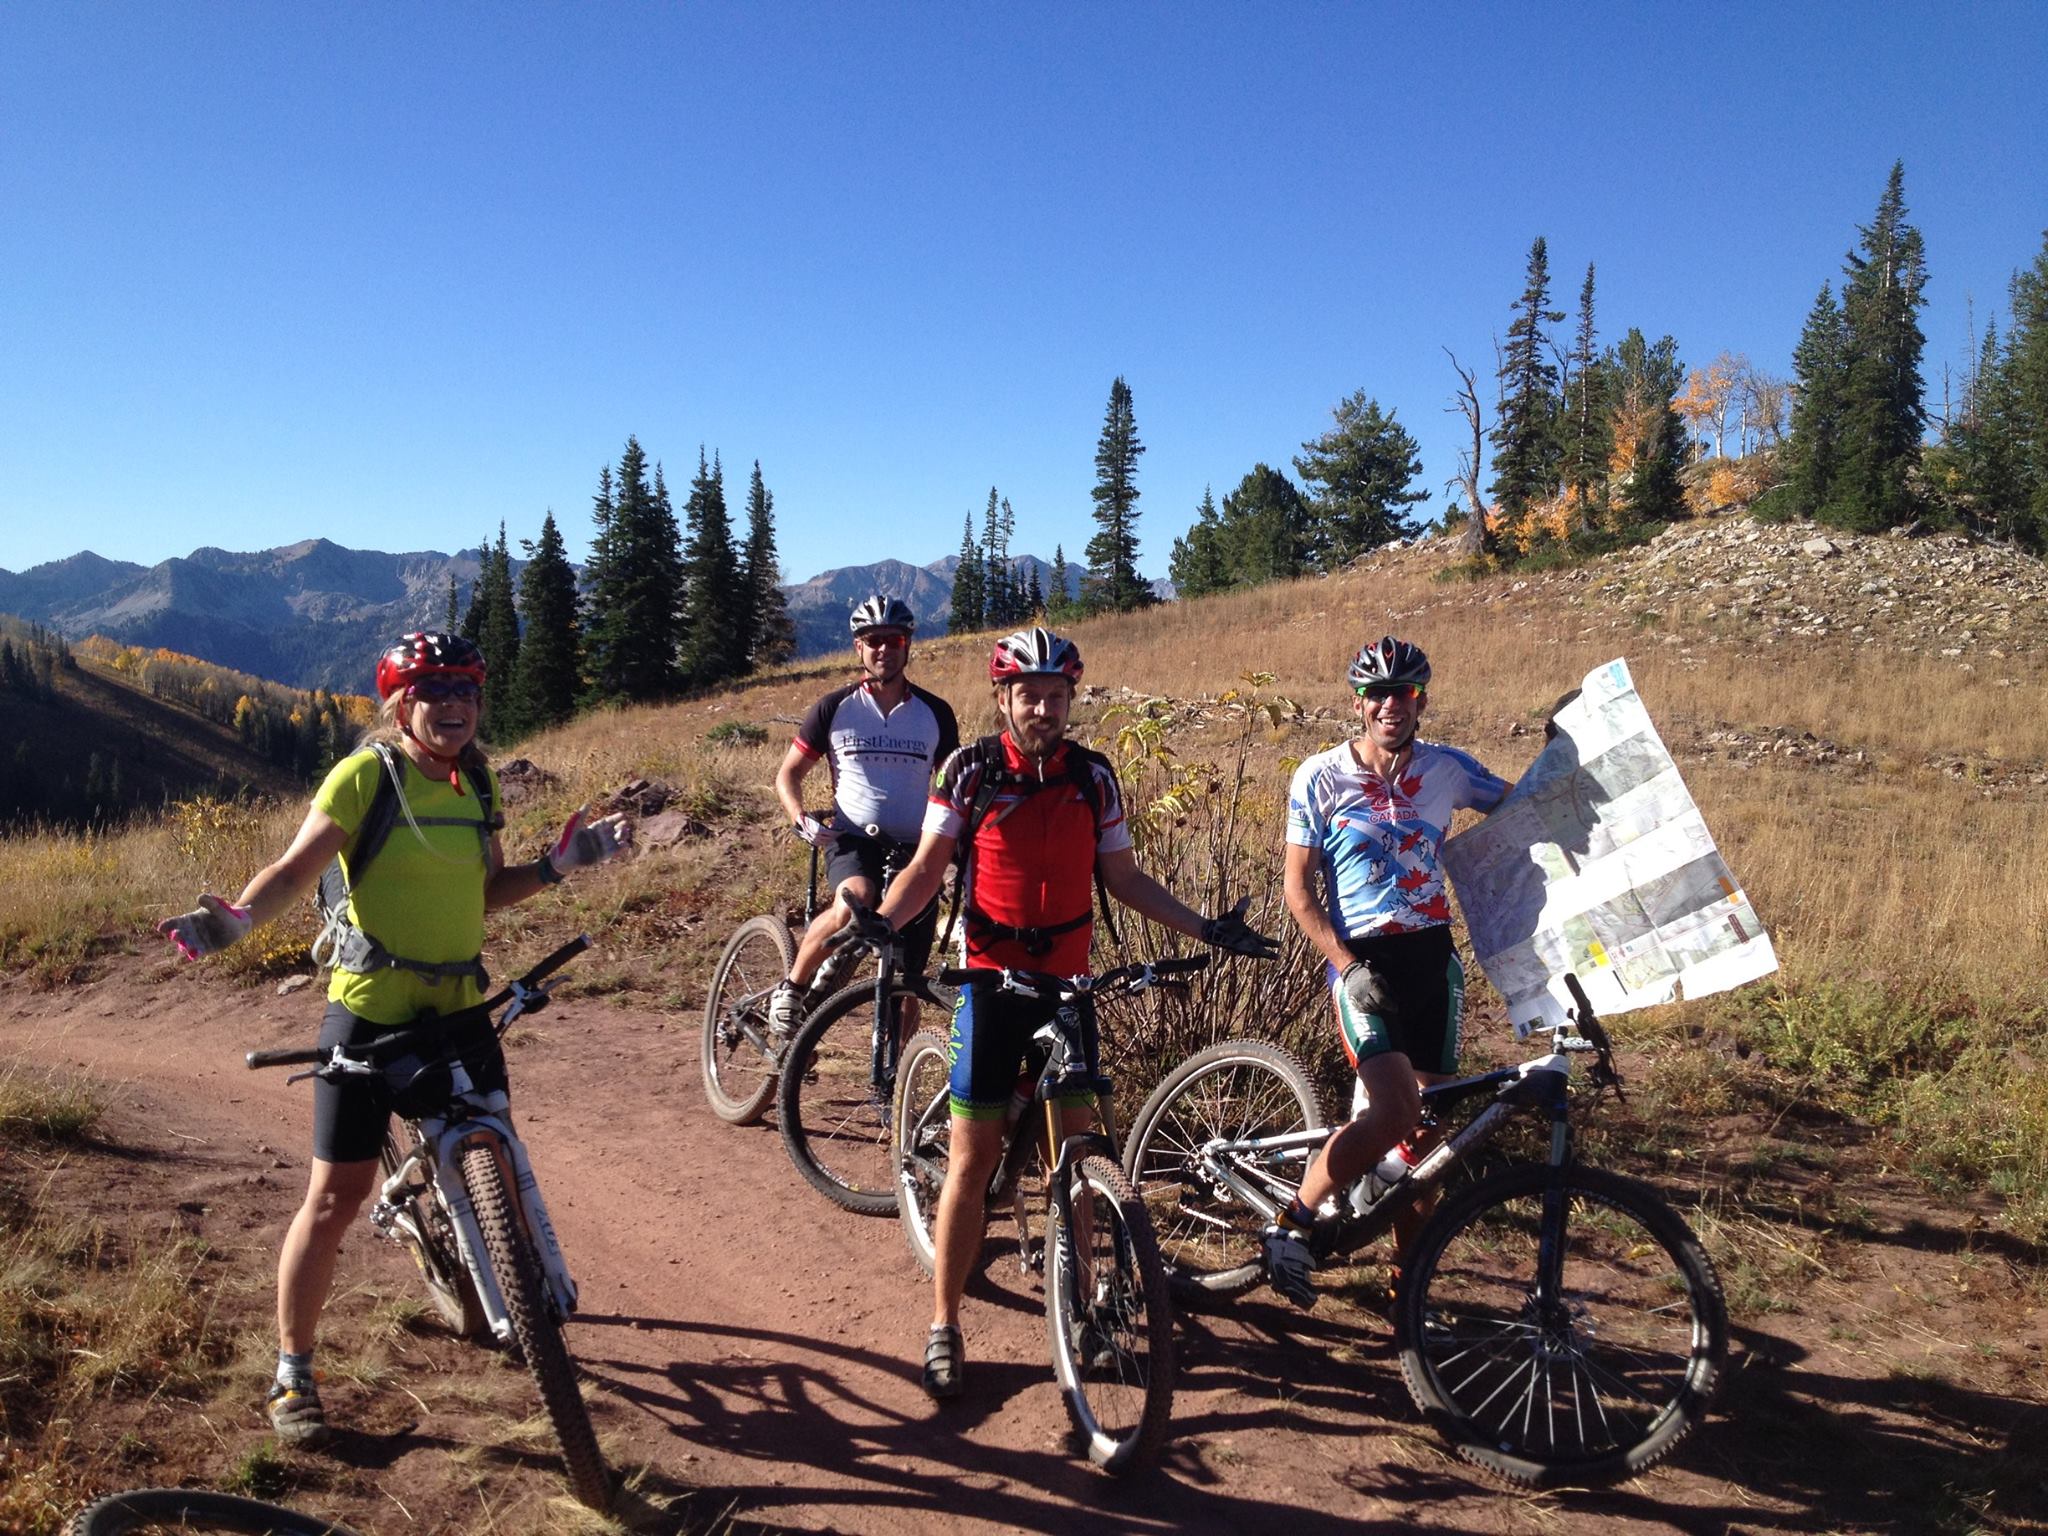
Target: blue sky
{"type": "Point", "coordinates": [390, 274]}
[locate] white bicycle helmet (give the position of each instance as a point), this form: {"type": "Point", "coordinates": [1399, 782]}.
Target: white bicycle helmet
{"type": "Point", "coordinates": [879, 612]}
{"type": "Point", "coordinates": [1034, 653]}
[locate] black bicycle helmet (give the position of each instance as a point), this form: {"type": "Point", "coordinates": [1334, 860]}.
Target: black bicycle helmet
{"type": "Point", "coordinates": [1386, 662]}
{"type": "Point", "coordinates": [879, 612]}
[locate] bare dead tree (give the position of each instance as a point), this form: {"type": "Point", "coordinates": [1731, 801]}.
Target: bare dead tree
{"type": "Point", "coordinates": [1476, 540]}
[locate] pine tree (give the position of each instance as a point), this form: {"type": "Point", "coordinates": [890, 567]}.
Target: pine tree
{"type": "Point", "coordinates": [968, 591]}
{"type": "Point", "coordinates": [1588, 423]}
{"type": "Point", "coordinates": [1034, 600]}
{"type": "Point", "coordinates": [1059, 595]}
{"type": "Point", "coordinates": [499, 640]}
{"type": "Point", "coordinates": [1366, 467]}
{"type": "Point", "coordinates": [998, 607]}
{"type": "Point", "coordinates": [1883, 407]}
{"type": "Point", "coordinates": [1113, 580]}
{"type": "Point", "coordinates": [550, 652]}
{"type": "Point", "coordinates": [1527, 454]}
{"type": "Point", "coordinates": [712, 653]}
{"type": "Point", "coordinates": [1981, 454]}
{"type": "Point", "coordinates": [1813, 452]}
{"type": "Point", "coordinates": [635, 587]}
{"type": "Point", "coordinates": [1197, 567]}
{"type": "Point", "coordinates": [454, 611]}
{"type": "Point", "coordinates": [2026, 373]}
{"type": "Point", "coordinates": [1649, 437]}
{"type": "Point", "coordinates": [771, 635]}
{"type": "Point", "coordinates": [478, 613]}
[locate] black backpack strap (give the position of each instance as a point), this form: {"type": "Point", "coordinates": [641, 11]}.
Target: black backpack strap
{"type": "Point", "coordinates": [987, 754]}
{"type": "Point", "coordinates": [1081, 764]}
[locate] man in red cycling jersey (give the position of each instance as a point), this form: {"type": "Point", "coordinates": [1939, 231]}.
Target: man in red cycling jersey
{"type": "Point", "coordinates": [1054, 824]}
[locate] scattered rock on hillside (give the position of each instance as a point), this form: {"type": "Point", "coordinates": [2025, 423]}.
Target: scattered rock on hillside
{"type": "Point", "coordinates": [667, 829]}
{"type": "Point", "coordinates": [642, 798]}
{"type": "Point", "coordinates": [522, 780]}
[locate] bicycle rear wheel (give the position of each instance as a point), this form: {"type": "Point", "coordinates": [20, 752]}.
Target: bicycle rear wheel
{"type": "Point", "coordinates": [424, 1229]}
{"type": "Point", "coordinates": [520, 1281]}
{"type": "Point", "coordinates": [1239, 1090]}
{"type": "Point", "coordinates": [835, 1122]}
{"type": "Point", "coordinates": [739, 1057]}
{"type": "Point", "coordinates": [923, 1140]}
{"type": "Point", "coordinates": [143, 1510]}
{"type": "Point", "coordinates": [1591, 1381]}
{"type": "Point", "coordinates": [1111, 1323]}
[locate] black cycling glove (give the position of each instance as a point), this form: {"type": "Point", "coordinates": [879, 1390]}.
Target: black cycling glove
{"type": "Point", "coordinates": [1229, 931]}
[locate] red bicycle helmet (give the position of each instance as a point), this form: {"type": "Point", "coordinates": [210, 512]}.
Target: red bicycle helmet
{"type": "Point", "coordinates": [1034, 653]}
{"type": "Point", "coordinates": [424, 652]}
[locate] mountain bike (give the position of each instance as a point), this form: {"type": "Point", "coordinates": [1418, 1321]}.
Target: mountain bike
{"type": "Point", "coordinates": [741, 1055]}
{"type": "Point", "coordinates": [837, 1090]}
{"type": "Point", "coordinates": [458, 1193]}
{"type": "Point", "coordinates": [1107, 1307]}
{"type": "Point", "coordinates": [1556, 1323]}
{"type": "Point", "coordinates": [143, 1510]}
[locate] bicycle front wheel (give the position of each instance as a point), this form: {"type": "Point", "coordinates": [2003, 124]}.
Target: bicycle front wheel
{"type": "Point", "coordinates": [427, 1232]}
{"type": "Point", "coordinates": [143, 1510]}
{"type": "Point", "coordinates": [738, 1054]}
{"type": "Point", "coordinates": [1588, 1380]}
{"type": "Point", "coordinates": [1238, 1091]}
{"type": "Point", "coordinates": [519, 1277]}
{"type": "Point", "coordinates": [923, 1139]}
{"type": "Point", "coordinates": [835, 1122]}
{"type": "Point", "coordinates": [1110, 1319]}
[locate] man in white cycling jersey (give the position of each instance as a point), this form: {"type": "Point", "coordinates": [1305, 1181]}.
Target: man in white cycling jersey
{"type": "Point", "coordinates": [880, 737]}
{"type": "Point", "coordinates": [1369, 816]}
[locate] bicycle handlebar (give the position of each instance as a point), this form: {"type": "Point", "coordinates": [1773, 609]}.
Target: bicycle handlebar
{"type": "Point", "coordinates": [299, 1056]}
{"type": "Point", "coordinates": [1131, 977]}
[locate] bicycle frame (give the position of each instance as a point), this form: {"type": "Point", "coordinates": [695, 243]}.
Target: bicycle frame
{"type": "Point", "coordinates": [1539, 1084]}
{"type": "Point", "coordinates": [485, 1118]}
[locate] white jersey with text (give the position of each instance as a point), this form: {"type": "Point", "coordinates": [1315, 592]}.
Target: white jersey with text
{"type": "Point", "coordinates": [881, 762]}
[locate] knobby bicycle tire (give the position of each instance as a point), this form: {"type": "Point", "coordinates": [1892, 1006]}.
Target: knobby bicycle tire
{"type": "Point", "coordinates": [1593, 1385]}
{"type": "Point", "coordinates": [521, 1283]}
{"type": "Point", "coordinates": [1113, 1355]}
{"type": "Point", "coordinates": [834, 1122]}
{"type": "Point", "coordinates": [739, 1076]}
{"type": "Point", "coordinates": [143, 1510]}
{"type": "Point", "coordinates": [435, 1252]}
{"type": "Point", "coordinates": [1232, 1091]}
{"type": "Point", "coordinates": [923, 1139]}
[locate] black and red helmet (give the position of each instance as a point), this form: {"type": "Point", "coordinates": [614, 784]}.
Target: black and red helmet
{"type": "Point", "coordinates": [425, 652]}
{"type": "Point", "coordinates": [1034, 653]}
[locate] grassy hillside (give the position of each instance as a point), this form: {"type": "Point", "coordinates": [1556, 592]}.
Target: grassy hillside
{"type": "Point", "coordinates": [98, 746]}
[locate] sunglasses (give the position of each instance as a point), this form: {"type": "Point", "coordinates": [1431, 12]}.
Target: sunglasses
{"type": "Point", "coordinates": [1380, 692]}
{"type": "Point", "coordinates": [883, 642]}
{"type": "Point", "coordinates": [440, 686]}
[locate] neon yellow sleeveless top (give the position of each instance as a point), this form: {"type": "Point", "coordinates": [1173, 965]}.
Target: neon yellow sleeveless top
{"type": "Point", "coordinates": [422, 896]}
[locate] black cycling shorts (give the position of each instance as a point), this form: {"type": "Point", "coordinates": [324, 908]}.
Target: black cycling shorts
{"type": "Point", "coordinates": [857, 854]}
{"type": "Point", "coordinates": [992, 1052]}
{"type": "Point", "coordinates": [1421, 987]}
{"type": "Point", "coordinates": [351, 1116]}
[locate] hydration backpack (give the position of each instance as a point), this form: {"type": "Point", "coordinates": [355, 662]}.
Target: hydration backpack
{"type": "Point", "coordinates": [988, 755]}
{"type": "Point", "coordinates": [344, 946]}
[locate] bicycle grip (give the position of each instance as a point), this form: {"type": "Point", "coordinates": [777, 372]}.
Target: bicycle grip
{"type": "Point", "coordinates": [1175, 965]}
{"type": "Point", "coordinates": [556, 961]}
{"type": "Point", "coordinates": [296, 1057]}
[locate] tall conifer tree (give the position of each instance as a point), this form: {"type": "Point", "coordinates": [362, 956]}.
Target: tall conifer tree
{"type": "Point", "coordinates": [636, 590]}
{"type": "Point", "coordinates": [714, 652]}
{"type": "Point", "coordinates": [1113, 579]}
{"type": "Point", "coordinates": [968, 592]}
{"type": "Point", "coordinates": [1884, 409]}
{"type": "Point", "coordinates": [1588, 421]}
{"type": "Point", "coordinates": [1813, 452]}
{"type": "Point", "coordinates": [771, 635]}
{"type": "Point", "coordinates": [1526, 451]}
{"type": "Point", "coordinates": [1365, 467]}
{"type": "Point", "coordinates": [499, 640]}
{"type": "Point", "coordinates": [550, 651]}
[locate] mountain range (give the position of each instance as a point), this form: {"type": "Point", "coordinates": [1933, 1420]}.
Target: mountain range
{"type": "Point", "coordinates": [313, 614]}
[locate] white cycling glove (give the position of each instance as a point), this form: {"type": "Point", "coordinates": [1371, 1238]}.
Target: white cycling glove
{"type": "Point", "coordinates": [212, 928]}
{"type": "Point", "coordinates": [815, 832]}
{"type": "Point", "coordinates": [584, 843]}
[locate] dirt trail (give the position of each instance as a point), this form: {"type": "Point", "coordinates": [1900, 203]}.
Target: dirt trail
{"type": "Point", "coordinates": [750, 1339]}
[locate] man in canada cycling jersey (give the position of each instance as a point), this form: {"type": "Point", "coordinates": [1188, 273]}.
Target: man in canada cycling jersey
{"type": "Point", "coordinates": [880, 737]}
{"type": "Point", "coordinates": [1053, 824]}
{"type": "Point", "coordinates": [1370, 816]}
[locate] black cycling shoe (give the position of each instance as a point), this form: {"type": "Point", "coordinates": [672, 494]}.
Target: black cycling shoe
{"type": "Point", "coordinates": [945, 1361]}
{"type": "Point", "coordinates": [296, 1416]}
